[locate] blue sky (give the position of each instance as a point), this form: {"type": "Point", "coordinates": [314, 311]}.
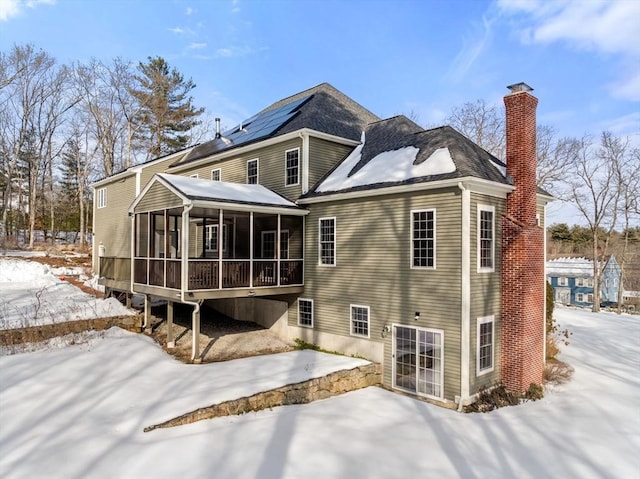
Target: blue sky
{"type": "Point", "coordinates": [413, 57]}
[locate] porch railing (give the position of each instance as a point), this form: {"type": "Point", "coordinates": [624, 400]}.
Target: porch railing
{"type": "Point", "coordinates": [204, 274]}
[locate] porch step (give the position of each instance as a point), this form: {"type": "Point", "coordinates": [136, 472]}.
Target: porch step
{"type": "Point", "coordinates": [332, 384]}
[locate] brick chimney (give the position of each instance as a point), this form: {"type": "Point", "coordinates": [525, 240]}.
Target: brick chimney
{"type": "Point", "coordinates": [523, 288]}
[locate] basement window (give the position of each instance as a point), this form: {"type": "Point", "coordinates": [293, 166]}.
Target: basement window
{"type": "Point", "coordinates": [305, 312]}
{"type": "Point", "coordinates": [359, 320]}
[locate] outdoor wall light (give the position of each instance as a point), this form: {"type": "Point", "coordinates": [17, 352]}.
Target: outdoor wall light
{"type": "Point", "coordinates": [417, 316]}
{"type": "Point", "coordinates": [386, 330]}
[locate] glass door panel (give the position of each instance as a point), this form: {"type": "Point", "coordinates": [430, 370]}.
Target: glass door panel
{"type": "Point", "coordinates": [418, 360]}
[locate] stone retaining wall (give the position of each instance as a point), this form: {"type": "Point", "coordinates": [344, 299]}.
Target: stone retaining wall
{"type": "Point", "coordinates": [35, 334]}
{"type": "Point", "coordinates": [330, 385]}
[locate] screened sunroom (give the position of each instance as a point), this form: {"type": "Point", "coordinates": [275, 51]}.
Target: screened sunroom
{"type": "Point", "coordinates": [204, 239]}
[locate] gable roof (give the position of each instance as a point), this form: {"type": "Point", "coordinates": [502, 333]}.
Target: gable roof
{"type": "Point", "coordinates": [321, 108]}
{"type": "Point", "coordinates": [218, 192]}
{"type": "Point", "coordinates": [131, 170]}
{"type": "Point", "coordinates": [397, 151]}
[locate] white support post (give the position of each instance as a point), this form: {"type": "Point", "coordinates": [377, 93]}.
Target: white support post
{"type": "Point", "coordinates": [277, 272]}
{"type": "Point", "coordinates": [171, 343]}
{"type": "Point", "coordinates": [195, 340]}
{"type": "Point", "coordinates": [251, 249]}
{"type": "Point", "coordinates": [147, 312]}
{"type": "Point", "coordinates": [221, 244]}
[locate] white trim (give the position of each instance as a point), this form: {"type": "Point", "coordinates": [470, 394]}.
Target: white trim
{"type": "Point", "coordinates": [101, 197]}
{"type": "Point", "coordinates": [465, 299]}
{"type": "Point", "coordinates": [219, 170]}
{"type": "Point", "coordinates": [477, 185]}
{"type": "Point", "coordinates": [425, 210]}
{"type": "Point", "coordinates": [286, 174]}
{"type": "Point", "coordinates": [305, 162]}
{"type": "Point", "coordinates": [154, 180]}
{"type": "Point", "coordinates": [138, 168]}
{"type": "Point", "coordinates": [257, 160]}
{"type": "Point", "coordinates": [138, 182]}
{"type": "Point", "coordinates": [394, 359]}
{"type": "Point", "coordinates": [492, 210]}
{"type": "Point", "coordinates": [250, 207]}
{"type": "Point", "coordinates": [335, 241]}
{"type": "Point", "coordinates": [195, 175]}
{"type": "Point", "coordinates": [362, 306]}
{"type": "Point", "coordinates": [263, 144]}
{"type": "Point", "coordinates": [310, 326]}
{"type": "Point", "coordinates": [480, 321]}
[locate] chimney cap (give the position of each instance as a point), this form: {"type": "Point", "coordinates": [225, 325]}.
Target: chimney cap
{"type": "Point", "coordinates": [519, 87]}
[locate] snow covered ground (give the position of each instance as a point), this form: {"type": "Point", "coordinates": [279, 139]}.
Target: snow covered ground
{"type": "Point", "coordinates": [80, 411]}
{"type": "Point", "coordinates": [32, 294]}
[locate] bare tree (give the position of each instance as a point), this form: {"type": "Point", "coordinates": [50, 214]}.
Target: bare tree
{"type": "Point", "coordinates": [104, 95]}
{"type": "Point", "coordinates": [595, 191]}
{"type": "Point", "coordinates": [482, 123]}
{"type": "Point", "coordinates": [628, 178]}
{"type": "Point", "coordinates": [77, 166]}
{"type": "Point", "coordinates": [555, 157]}
{"type": "Point", "coordinates": [36, 101]}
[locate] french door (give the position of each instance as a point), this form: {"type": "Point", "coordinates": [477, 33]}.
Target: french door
{"type": "Point", "coordinates": [418, 361]}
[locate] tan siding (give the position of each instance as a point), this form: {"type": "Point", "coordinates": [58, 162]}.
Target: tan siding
{"type": "Point", "coordinates": [373, 268]}
{"type": "Point", "coordinates": [324, 155]}
{"type": "Point", "coordinates": [158, 197]}
{"type": "Point", "coordinates": [485, 289]}
{"type": "Point", "coordinates": [271, 168]}
{"type": "Point", "coordinates": [540, 211]}
{"type": "Point", "coordinates": [148, 171]}
{"type": "Point", "coordinates": [112, 223]}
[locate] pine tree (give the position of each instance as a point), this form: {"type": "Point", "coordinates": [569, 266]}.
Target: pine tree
{"type": "Point", "coordinates": [165, 110]}
{"type": "Point", "coordinates": [72, 159]}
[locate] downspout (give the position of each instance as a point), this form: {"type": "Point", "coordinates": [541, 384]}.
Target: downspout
{"type": "Point", "coordinates": [465, 300]}
{"type": "Point", "coordinates": [305, 162]}
{"type": "Point", "coordinates": [184, 274]}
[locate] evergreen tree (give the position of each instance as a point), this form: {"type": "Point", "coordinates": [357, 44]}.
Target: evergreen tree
{"type": "Point", "coordinates": [72, 160]}
{"type": "Point", "coordinates": [165, 110]}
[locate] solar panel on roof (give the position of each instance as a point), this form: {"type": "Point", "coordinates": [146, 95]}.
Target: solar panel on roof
{"type": "Point", "coordinates": [264, 124]}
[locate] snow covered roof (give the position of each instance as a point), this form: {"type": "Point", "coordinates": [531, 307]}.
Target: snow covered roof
{"type": "Point", "coordinates": [570, 267]}
{"type": "Point", "coordinates": [397, 151]}
{"type": "Point", "coordinates": [219, 191]}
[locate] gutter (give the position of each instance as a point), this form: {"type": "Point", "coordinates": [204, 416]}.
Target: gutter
{"type": "Point", "coordinates": [242, 149]}
{"type": "Point", "coordinates": [478, 185]}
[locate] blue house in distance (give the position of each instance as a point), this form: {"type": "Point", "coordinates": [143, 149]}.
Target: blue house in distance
{"type": "Point", "coordinates": [572, 281]}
